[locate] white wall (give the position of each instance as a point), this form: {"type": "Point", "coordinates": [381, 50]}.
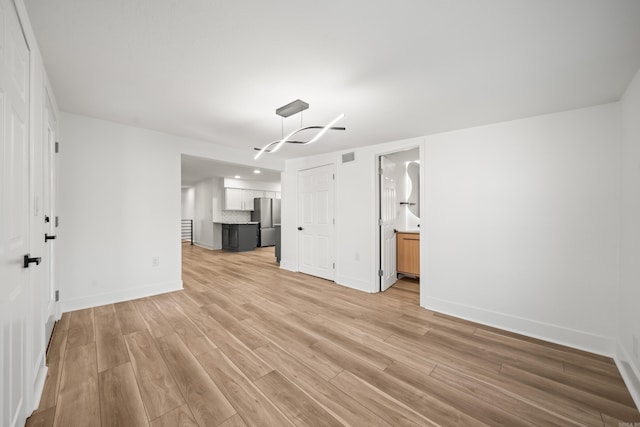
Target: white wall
{"type": "Point", "coordinates": [519, 223]}
{"type": "Point", "coordinates": [203, 214]}
{"type": "Point", "coordinates": [522, 225]}
{"type": "Point", "coordinates": [217, 194]}
{"type": "Point", "coordinates": [120, 207]}
{"type": "Point", "coordinates": [188, 203]}
{"type": "Point", "coordinates": [629, 295]}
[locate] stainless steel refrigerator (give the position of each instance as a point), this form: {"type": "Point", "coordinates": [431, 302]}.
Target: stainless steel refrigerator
{"type": "Point", "coordinates": [266, 211]}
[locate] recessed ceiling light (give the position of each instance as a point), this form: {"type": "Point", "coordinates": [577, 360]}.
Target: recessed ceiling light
{"type": "Point", "coordinates": [237, 177]}
{"type": "Point", "coordinates": [256, 171]}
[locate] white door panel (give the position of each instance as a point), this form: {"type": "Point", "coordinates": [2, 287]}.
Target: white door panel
{"type": "Point", "coordinates": [14, 214]}
{"type": "Point", "coordinates": [315, 219]}
{"type": "Point", "coordinates": [388, 215]}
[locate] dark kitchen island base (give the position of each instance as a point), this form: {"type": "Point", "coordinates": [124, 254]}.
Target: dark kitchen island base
{"type": "Point", "coordinates": [239, 237]}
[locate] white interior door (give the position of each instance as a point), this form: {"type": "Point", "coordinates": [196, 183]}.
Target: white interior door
{"type": "Point", "coordinates": [315, 221]}
{"type": "Point", "coordinates": [14, 214]}
{"type": "Point", "coordinates": [388, 215]}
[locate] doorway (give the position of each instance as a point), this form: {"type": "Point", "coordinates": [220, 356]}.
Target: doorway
{"type": "Point", "coordinates": [223, 205]}
{"type": "Point", "coordinates": [399, 220]}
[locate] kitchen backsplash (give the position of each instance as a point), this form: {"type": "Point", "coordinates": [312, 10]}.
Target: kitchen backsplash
{"type": "Point", "coordinates": [236, 216]}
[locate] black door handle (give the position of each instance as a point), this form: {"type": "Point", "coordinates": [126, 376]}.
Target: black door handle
{"type": "Point", "coordinates": [28, 260]}
{"type": "Point", "coordinates": [47, 237]}
{"type": "Point", "coordinates": [299, 228]}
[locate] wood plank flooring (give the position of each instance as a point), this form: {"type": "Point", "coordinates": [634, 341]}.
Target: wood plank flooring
{"type": "Point", "coordinates": [246, 344]}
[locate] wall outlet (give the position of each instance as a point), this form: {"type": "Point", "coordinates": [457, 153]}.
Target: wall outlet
{"type": "Point", "coordinates": [635, 347]}
{"type": "Point", "coordinates": [155, 261]}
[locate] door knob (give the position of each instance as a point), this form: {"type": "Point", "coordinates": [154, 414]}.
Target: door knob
{"type": "Point", "coordinates": [299, 228]}
{"type": "Point", "coordinates": [28, 260]}
{"type": "Point", "coordinates": [47, 237]}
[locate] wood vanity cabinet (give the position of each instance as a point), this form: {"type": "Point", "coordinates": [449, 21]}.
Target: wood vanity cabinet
{"type": "Point", "coordinates": [408, 253]}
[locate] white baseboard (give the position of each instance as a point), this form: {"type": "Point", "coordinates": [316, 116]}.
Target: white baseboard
{"type": "Point", "coordinates": [119, 296]}
{"type": "Point", "coordinates": [557, 334]}
{"type": "Point", "coordinates": [38, 385]}
{"type": "Point", "coordinates": [353, 283]}
{"type": "Point", "coordinates": [630, 373]}
{"type": "Point", "coordinates": [349, 282]}
{"type": "Point", "coordinates": [286, 266]}
{"type": "Point", "coordinates": [203, 245]}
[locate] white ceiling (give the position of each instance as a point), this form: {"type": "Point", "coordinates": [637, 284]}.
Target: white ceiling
{"type": "Point", "coordinates": [196, 169]}
{"type": "Point", "coordinates": [217, 70]}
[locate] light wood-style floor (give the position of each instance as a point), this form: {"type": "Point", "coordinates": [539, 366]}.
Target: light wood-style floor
{"type": "Point", "coordinates": [246, 343]}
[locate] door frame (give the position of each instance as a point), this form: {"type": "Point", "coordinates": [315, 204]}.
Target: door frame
{"type": "Point", "coordinates": [377, 228]}
{"type": "Point", "coordinates": [50, 191]}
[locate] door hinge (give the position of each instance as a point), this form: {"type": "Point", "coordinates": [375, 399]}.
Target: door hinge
{"type": "Point", "coordinates": [380, 222]}
{"type": "Point", "coordinates": [333, 176]}
{"type": "Point", "coordinates": [334, 265]}
{"type": "Point", "coordinates": [57, 296]}
{"type": "Point", "coordinates": [380, 273]}
{"type": "Point", "coordinates": [57, 221]}
{"type": "Point", "coordinates": [334, 221]}
{"type": "Point", "coordinates": [380, 171]}
{"type": "Point", "coordinates": [57, 147]}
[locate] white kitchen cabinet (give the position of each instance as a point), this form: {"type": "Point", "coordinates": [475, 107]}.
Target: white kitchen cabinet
{"type": "Point", "coordinates": [232, 199]}
{"type": "Point", "coordinates": [238, 199]}
{"type": "Point", "coordinates": [247, 200]}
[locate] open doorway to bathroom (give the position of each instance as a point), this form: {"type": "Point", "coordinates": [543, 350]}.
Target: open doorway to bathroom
{"type": "Point", "coordinates": [399, 223]}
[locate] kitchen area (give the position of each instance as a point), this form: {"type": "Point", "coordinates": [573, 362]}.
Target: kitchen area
{"type": "Point", "coordinates": [236, 214]}
{"type": "Point", "coordinates": [262, 230]}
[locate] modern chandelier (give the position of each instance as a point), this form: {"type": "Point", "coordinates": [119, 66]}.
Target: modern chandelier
{"type": "Point", "coordinates": [290, 109]}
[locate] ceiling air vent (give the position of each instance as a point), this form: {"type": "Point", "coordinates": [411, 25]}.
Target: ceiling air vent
{"type": "Point", "coordinates": [348, 157]}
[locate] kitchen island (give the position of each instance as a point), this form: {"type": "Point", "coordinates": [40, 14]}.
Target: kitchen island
{"type": "Point", "coordinates": [239, 237]}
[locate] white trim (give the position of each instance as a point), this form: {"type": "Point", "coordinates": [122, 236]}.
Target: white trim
{"type": "Point", "coordinates": [629, 373]}
{"type": "Point", "coordinates": [557, 334]}
{"type": "Point", "coordinates": [38, 386]}
{"type": "Point", "coordinates": [119, 296]}
{"type": "Point", "coordinates": [204, 245]}
{"type": "Point", "coordinates": [288, 266]}
{"type": "Point", "coordinates": [355, 283]}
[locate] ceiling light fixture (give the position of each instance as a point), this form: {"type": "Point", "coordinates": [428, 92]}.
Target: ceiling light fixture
{"type": "Point", "coordinates": [297, 106]}
{"type": "Point", "coordinates": [256, 171]}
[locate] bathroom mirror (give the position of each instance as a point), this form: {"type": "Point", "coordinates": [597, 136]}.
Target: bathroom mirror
{"type": "Point", "coordinates": [413, 173]}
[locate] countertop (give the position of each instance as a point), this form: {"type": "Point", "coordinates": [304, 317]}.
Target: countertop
{"type": "Point", "coordinates": [408, 231]}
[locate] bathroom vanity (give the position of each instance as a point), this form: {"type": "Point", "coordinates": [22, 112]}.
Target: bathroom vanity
{"type": "Point", "coordinates": [408, 253]}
